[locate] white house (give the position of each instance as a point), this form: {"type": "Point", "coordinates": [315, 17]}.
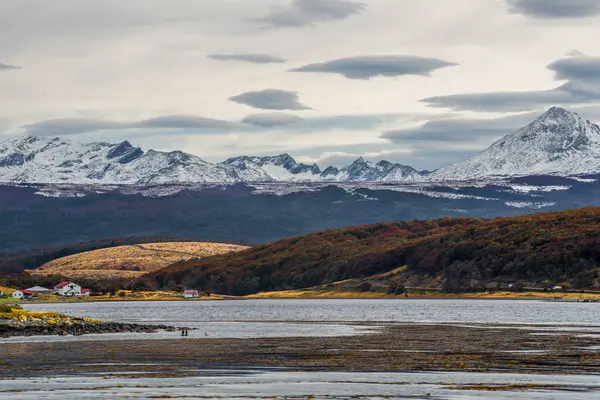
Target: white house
{"type": "Point", "coordinates": [67, 289]}
{"type": "Point", "coordinates": [22, 294]}
{"type": "Point", "coordinates": [190, 294]}
{"type": "Point", "coordinates": [39, 289]}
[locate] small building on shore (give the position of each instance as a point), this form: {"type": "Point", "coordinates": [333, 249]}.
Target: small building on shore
{"type": "Point", "coordinates": [191, 294]}
{"type": "Point", "coordinates": [67, 289]}
{"type": "Point", "coordinates": [23, 294]}
{"type": "Point", "coordinates": [40, 290]}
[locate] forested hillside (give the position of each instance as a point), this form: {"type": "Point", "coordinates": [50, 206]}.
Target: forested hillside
{"type": "Point", "coordinates": [457, 253]}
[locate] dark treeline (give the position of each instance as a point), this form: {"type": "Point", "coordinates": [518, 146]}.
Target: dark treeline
{"type": "Point", "coordinates": [538, 249]}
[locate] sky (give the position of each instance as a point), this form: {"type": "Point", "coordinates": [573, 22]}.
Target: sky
{"type": "Point", "coordinates": [422, 83]}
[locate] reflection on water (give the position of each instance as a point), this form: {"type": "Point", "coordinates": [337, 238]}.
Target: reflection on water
{"type": "Point", "coordinates": [257, 384]}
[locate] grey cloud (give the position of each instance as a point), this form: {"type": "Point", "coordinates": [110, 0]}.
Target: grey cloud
{"type": "Point", "coordinates": [182, 122]}
{"type": "Point", "coordinates": [301, 13]}
{"type": "Point", "coordinates": [191, 124]}
{"type": "Point", "coordinates": [271, 99]}
{"type": "Point", "coordinates": [6, 67]}
{"type": "Point", "coordinates": [269, 120]}
{"type": "Point", "coordinates": [584, 69]}
{"type": "Point", "coordinates": [576, 53]}
{"type": "Point", "coordinates": [460, 129]}
{"type": "Point", "coordinates": [555, 8]}
{"type": "Point", "coordinates": [74, 126]}
{"type": "Point", "coordinates": [250, 58]}
{"type": "Point", "coordinates": [582, 88]}
{"type": "Point", "coordinates": [71, 126]}
{"type": "Point", "coordinates": [366, 67]}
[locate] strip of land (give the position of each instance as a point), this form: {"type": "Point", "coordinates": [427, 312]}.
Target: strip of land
{"type": "Point", "coordinates": [14, 321]}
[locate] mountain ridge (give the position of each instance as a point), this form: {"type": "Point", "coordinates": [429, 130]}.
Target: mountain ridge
{"type": "Point", "coordinates": [33, 159]}
{"type": "Point", "coordinates": [558, 143]}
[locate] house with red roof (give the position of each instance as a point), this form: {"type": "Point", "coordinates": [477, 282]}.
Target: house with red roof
{"type": "Point", "coordinates": [67, 289]}
{"type": "Point", "coordinates": [23, 294]}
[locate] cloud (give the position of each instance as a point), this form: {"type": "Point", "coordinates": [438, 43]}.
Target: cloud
{"type": "Point", "coordinates": [576, 53]}
{"type": "Point", "coordinates": [366, 67]}
{"type": "Point", "coordinates": [191, 124]}
{"type": "Point", "coordinates": [182, 122]}
{"type": "Point", "coordinates": [74, 126]}
{"type": "Point", "coordinates": [554, 9]}
{"type": "Point", "coordinates": [7, 67]}
{"type": "Point", "coordinates": [269, 120]}
{"type": "Point", "coordinates": [460, 129]}
{"type": "Point", "coordinates": [582, 73]}
{"type": "Point", "coordinates": [250, 58]}
{"type": "Point", "coordinates": [71, 126]}
{"type": "Point", "coordinates": [584, 69]}
{"type": "Point", "coordinates": [271, 99]}
{"type": "Point", "coordinates": [302, 13]}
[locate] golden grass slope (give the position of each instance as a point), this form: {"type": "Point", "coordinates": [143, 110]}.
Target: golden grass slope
{"type": "Point", "coordinates": [131, 261]}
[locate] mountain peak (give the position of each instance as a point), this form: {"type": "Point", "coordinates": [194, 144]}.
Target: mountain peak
{"type": "Point", "coordinates": [558, 115]}
{"type": "Point", "coordinates": [559, 142]}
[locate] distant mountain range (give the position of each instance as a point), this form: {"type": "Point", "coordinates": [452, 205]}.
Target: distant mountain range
{"type": "Point", "coordinates": [559, 143]}
{"type": "Point", "coordinates": [33, 159]}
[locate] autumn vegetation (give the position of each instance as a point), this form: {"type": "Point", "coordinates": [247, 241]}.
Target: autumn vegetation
{"type": "Point", "coordinates": [454, 254]}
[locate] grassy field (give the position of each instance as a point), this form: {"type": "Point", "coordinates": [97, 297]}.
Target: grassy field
{"type": "Point", "coordinates": [322, 293]}
{"type": "Point", "coordinates": [17, 313]}
{"type": "Point", "coordinates": [131, 261]}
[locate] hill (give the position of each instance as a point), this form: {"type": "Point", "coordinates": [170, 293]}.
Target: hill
{"type": "Point", "coordinates": [130, 261]}
{"type": "Point", "coordinates": [456, 254]}
{"type": "Point", "coordinates": [18, 262]}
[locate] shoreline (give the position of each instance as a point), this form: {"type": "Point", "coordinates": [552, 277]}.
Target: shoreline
{"type": "Point", "coordinates": [325, 294]}
{"type": "Point", "coordinates": [17, 322]}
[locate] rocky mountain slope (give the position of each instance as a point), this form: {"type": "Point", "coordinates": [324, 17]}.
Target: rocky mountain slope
{"type": "Point", "coordinates": [557, 143]}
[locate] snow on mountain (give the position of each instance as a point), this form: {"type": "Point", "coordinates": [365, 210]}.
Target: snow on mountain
{"type": "Point", "coordinates": [270, 169]}
{"type": "Point", "coordinates": [365, 171]}
{"type": "Point", "coordinates": [557, 143]}
{"type": "Point", "coordinates": [34, 159]}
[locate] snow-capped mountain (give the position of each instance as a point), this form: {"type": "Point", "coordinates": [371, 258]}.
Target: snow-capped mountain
{"type": "Point", "coordinates": [365, 171]}
{"type": "Point", "coordinates": [34, 159]}
{"type": "Point", "coordinates": [558, 143]}
{"type": "Point", "coordinates": [275, 168]}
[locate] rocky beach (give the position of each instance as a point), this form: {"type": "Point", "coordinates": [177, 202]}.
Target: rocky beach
{"type": "Point", "coordinates": [15, 321]}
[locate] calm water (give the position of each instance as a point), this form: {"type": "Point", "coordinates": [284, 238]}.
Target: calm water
{"type": "Point", "coordinates": [287, 318]}
{"type": "Point", "coordinates": [284, 318]}
{"type": "Point", "coordinates": [431, 311]}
